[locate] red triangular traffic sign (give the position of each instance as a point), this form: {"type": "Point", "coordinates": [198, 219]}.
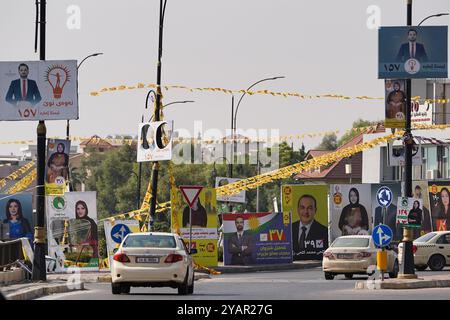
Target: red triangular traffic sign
{"type": "Point", "coordinates": [191, 193]}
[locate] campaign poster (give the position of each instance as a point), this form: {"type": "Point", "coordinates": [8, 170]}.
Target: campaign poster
{"type": "Point", "coordinates": [396, 155]}
{"type": "Point", "coordinates": [257, 238]}
{"type": "Point", "coordinates": [395, 103]}
{"type": "Point", "coordinates": [412, 52]}
{"type": "Point", "coordinates": [39, 90]}
{"type": "Point", "coordinates": [116, 231]}
{"type": "Point", "coordinates": [16, 211]}
{"type": "Point", "coordinates": [152, 148]}
{"type": "Point", "coordinates": [204, 225]}
{"type": "Point", "coordinates": [389, 217]}
{"type": "Point", "coordinates": [57, 166]}
{"type": "Point", "coordinates": [308, 207]}
{"type": "Point", "coordinates": [440, 205]}
{"type": "Point", "coordinates": [420, 192]}
{"type": "Point", "coordinates": [350, 210]}
{"type": "Point", "coordinates": [72, 230]}
{"type": "Point", "coordinates": [238, 197]}
{"type": "Point", "coordinates": [409, 212]}
{"type": "Point", "coordinates": [421, 114]}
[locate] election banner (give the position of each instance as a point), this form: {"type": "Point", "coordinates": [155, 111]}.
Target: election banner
{"type": "Point", "coordinates": [17, 215]}
{"type": "Point", "coordinates": [420, 192]}
{"type": "Point", "coordinates": [155, 141]}
{"type": "Point", "coordinates": [350, 210]}
{"type": "Point", "coordinates": [257, 238]}
{"type": "Point", "coordinates": [72, 230]}
{"type": "Point", "coordinates": [439, 193]}
{"type": "Point", "coordinates": [409, 212]}
{"type": "Point", "coordinates": [421, 114]}
{"type": "Point", "coordinates": [396, 155]}
{"type": "Point", "coordinates": [39, 90]}
{"type": "Point", "coordinates": [308, 207]}
{"type": "Point", "coordinates": [57, 166]}
{"type": "Point", "coordinates": [116, 231]}
{"type": "Point", "coordinates": [239, 197]}
{"type": "Point", "coordinates": [395, 103]}
{"type": "Point", "coordinates": [204, 224]}
{"type": "Point", "coordinates": [412, 52]}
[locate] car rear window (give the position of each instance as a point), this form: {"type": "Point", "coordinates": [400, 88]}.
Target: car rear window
{"type": "Point", "coordinates": [351, 243]}
{"type": "Point", "coordinates": [149, 241]}
{"type": "Point", "coordinates": [425, 237]}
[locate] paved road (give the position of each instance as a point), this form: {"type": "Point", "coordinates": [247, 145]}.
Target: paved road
{"type": "Point", "coordinates": [286, 285]}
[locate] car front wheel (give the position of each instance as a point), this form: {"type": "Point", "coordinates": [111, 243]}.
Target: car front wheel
{"type": "Point", "coordinates": [349, 275]}
{"type": "Point", "coordinates": [116, 288]}
{"type": "Point", "coordinates": [329, 276]}
{"type": "Point", "coordinates": [436, 262]}
{"type": "Point", "coordinates": [183, 289]}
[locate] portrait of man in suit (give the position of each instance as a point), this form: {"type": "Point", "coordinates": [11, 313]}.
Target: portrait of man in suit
{"type": "Point", "coordinates": [240, 244]}
{"type": "Point", "coordinates": [309, 237]}
{"type": "Point", "coordinates": [412, 49]}
{"type": "Point", "coordinates": [23, 89]}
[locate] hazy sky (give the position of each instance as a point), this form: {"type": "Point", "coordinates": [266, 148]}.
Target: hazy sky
{"type": "Point", "coordinates": [319, 46]}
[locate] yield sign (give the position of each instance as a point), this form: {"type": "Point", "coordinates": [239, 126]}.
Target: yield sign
{"type": "Point", "coordinates": [191, 193]}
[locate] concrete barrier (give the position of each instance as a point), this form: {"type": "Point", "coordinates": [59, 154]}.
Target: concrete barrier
{"type": "Point", "coordinates": [12, 276]}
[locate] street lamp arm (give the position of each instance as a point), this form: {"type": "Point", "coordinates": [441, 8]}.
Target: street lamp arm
{"type": "Point", "coordinates": [175, 102]}
{"type": "Point", "coordinates": [91, 55]}
{"type": "Point", "coordinates": [242, 96]}
{"type": "Point", "coordinates": [434, 15]}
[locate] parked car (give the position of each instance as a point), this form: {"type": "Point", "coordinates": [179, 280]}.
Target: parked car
{"type": "Point", "coordinates": [432, 250]}
{"type": "Point", "coordinates": [351, 255]}
{"type": "Point", "coordinates": [152, 259]}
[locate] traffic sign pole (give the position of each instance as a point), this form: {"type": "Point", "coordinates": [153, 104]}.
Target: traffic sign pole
{"type": "Point", "coordinates": [190, 230]}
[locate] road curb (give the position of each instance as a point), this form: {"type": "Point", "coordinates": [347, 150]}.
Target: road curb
{"type": "Point", "coordinates": [274, 267]}
{"type": "Point", "coordinates": [403, 284]}
{"type": "Point", "coordinates": [44, 290]}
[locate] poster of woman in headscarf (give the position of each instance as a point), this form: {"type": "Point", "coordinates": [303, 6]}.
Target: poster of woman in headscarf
{"type": "Point", "coordinates": [350, 210]}
{"type": "Point", "coordinates": [17, 212]}
{"type": "Point", "coordinates": [440, 205]}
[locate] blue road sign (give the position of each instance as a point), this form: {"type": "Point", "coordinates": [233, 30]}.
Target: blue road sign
{"type": "Point", "coordinates": [384, 196]}
{"type": "Point", "coordinates": [382, 235]}
{"type": "Point", "coordinates": [118, 232]}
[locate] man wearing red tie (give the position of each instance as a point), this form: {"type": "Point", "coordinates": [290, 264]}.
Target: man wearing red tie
{"type": "Point", "coordinates": [23, 89]}
{"type": "Point", "coordinates": [412, 49]}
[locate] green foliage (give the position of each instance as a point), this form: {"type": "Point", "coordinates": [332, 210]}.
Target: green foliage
{"type": "Point", "coordinates": [360, 123]}
{"type": "Point", "coordinates": [329, 142]}
{"type": "Point", "coordinates": [84, 257]}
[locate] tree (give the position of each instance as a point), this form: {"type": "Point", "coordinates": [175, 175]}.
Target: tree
{"type": "Point", "coordinates": [329, 142]}
{"type": "Point", "coordinates": [360, 123]}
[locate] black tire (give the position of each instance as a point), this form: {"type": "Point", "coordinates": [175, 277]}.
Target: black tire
{"type": "Point", "coordinates": [329, 276]}
{"type": "Point", "coordinates": [421, 268]}
{"type": "Point", "coordinates": [436, 262]}
{"type": "Point", "coordinates": [394, 272]}
{"type": "Point", "coordinates": [183, 289]}
{"type": "Point", "coordinates": [349, 276]}
{"type": "Point", "coordinates": [191, 287]}
{"type": "Point", "coordinates": [116, 288]}
{"type": "Point", "coordinates": [125, 289]}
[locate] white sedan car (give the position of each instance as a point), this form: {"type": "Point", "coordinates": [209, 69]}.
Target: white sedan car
{"type": "Point", "coordinates": [152, 259]}
{"type": "Point", "coordinates": [351, 255]}
{"type": "Point", "coordinates": [432, 250]}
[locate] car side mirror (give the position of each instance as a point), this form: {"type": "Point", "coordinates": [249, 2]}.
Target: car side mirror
{"type": "Point", "coordinates": [115, 250]}
{"type": "Point", "coordinates": [193, 251]}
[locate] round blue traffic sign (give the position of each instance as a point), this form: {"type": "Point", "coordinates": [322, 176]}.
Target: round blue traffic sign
{"type": "Point", "coordinates": [118, 232]}
{"type": "Point", "coordinates": [382, 235]}
{"type": "Point", "coordinates": [384, 196]}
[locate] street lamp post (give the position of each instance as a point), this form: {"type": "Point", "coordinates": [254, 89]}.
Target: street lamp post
{"type": "Point", "coordinates": [214, 176]}
{"type": "Point", "coordinates": [233, 129]}
{"type": "Point", "coordinates": [432, 16]}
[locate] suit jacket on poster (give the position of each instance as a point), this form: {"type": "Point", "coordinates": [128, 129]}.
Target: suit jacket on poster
{"type": "Point", "coordinates": [239, 256]}
{"type": "Point", "coordinates": [14, 93]}
{"type": "Point", "coordinates": [316, 242]}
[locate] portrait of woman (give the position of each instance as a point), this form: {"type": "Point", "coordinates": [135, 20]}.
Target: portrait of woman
{"type": "Point", "coordinates": [19, 226]}
{"type": "Point", "coordinates": [354, 218]}
{"type": "Point", "coordinates": [86, 228]}
{"type": "Point", "coordinates": [57, 164]}
{"type": "Point", "coordinates": [199, 216]}
{"type": "Point", "coordinates": [415, 214]}
{"type": "Point", "coordinates": [441, 212]}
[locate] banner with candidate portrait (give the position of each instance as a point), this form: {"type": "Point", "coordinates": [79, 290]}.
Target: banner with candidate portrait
{"type": "Point", "coordinates": [389, 215]}
{"type": "Point", "coordinates": [155, 141]}
{"type": "Point", "coordinates": [116, 231]}
{"type": "Point", "coordinates": [257, 238]}
{"type": "Point", "coordinates": [16, 213]}
{"type": "Point", "coordinates": [409, 212]}
{"type": "Point", "coordinates": [412, 52]}
{"type": "Point", "coordinates": [72, 230]}
{"type": "Point", "coordinates": [420, 192]}
{"type": "Point", "coordinates": [439, 193]}
{"type": "Point", "coordinates": [57, 166]}
{"type": "Point", "coordinates": [238, 197]}
{"type": "Point", "coordinates": [204, 224]}
{"type": "Point", "coordinates": [39, 90]}
{"type": "Point", "coordinates": [395, 103]}
{"type": "Point", "coordinates": [350, 210]}
{"type": "Point", "coordinates": [308, 206]}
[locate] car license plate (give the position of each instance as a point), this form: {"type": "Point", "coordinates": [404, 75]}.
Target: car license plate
{"type": "Point", "coordinates": [345, 255]}
{"type": "Point", "coordinates": [147, 260]}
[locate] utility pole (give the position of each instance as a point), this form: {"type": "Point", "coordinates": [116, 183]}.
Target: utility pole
{"type": "Point", "coordinates": [407, 267]}
{"type": "Point", "coordinates": [155, 168]}
{"type": "Point", "coordinates": [39, 271]}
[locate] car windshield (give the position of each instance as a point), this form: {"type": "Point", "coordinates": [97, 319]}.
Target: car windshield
{"type": "Point", "coordinates": [149, 241]}
{"type": "Point", "coordinates": [351, 243]}
{"type": "Point", "coordinates": [425, 237]}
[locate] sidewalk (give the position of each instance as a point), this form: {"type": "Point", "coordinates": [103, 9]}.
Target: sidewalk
{"type": "Point", "coordinates": [307, 264]}
{"type": "Point", "coordinates": [441, 281]}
